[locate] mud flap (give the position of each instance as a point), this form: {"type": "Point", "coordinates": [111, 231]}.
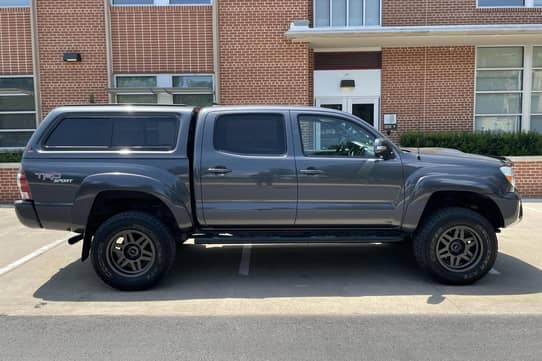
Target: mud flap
{"type": "Point", "coordinates": [87, 240]}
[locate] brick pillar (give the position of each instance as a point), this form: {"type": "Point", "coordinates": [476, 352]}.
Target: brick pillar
{"type": "Point", "coordinates": [257, 64]}
{"type": "Point", "coordinates": [72, 26]}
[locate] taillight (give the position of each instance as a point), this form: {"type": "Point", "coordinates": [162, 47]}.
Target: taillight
{"type": "Point", "coordinates": [22, 183]}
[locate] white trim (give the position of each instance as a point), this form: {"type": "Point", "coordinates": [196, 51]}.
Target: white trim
{"type": "Point", "coordinates": [340, 50]}
{"type": "Point", "coordinates": [410, 36]}
{"type": "Point", "coordinates": [161, 3]}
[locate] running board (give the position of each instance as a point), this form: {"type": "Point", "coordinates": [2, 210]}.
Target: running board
{"type": "Point", "coordinates": [385, 237]}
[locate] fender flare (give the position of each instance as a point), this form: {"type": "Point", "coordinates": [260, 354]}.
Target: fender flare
{"type": "Point", "coordinates": [174, 195]}
{"type": "Point", "coordinates": [418, 193]}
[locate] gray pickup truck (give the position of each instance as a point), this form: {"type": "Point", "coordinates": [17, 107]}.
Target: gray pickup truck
{"type": "Point", "coordinates": [133, 181]}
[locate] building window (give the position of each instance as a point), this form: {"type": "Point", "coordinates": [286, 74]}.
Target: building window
{"type": "Point", "coordinates": [17, 111]}
{"type": "Point", "coordinates": [14, 3]}
{"type": "Point", "coordinates": [161, 2]}
{"type": "Point", "coordinates": [341, 13]}
{"type": "Point", "coordinates": [499, 89]}
{"type": "Point", "coordinates": [536, 97]}
{"type": "Point", "coordinates": [509, 3]}
{"type": "Point", "coordinates": [187, 89]}
{"type": "Point", "coordinates": [509, 89]}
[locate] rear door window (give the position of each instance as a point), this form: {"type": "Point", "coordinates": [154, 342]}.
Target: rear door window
{"type": "Point", "coordinates": [250, 134]}
{"type": "Point", "coordinates": [138, 132]}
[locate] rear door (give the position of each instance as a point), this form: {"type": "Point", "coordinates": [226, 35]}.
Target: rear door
{"type": "Point", "coordinates": [247, 169]}
{"type": "Point", "coordinates": [341, 181]}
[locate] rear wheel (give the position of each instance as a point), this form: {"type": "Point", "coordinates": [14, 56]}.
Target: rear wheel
{"type": "Point", "coordinates": [456, 246]}
{"type": "Point", "coordinates": [132, 251]}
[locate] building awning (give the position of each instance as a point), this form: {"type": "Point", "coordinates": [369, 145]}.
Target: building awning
{"type": "Point", "coordinates": [410, 36]}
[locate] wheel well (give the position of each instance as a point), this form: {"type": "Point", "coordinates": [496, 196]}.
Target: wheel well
{"type": "Point", "coordinates": [474, 201]}
{"type": "Point", "coordinates": [109, 203]}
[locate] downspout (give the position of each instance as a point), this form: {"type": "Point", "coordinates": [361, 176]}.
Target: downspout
{"type": "Point", "coordinates": [216, 52]}
{"type": "Point", "coordinates": [108, 49]}
{"type": "Point", "coordinates": [35, 58]}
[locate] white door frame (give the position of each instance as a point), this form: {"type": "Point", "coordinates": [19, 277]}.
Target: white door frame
{"type": "Point", "coordinates": [347, 102]}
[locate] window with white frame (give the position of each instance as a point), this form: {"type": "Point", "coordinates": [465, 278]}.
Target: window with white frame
{"type": "Point", "coordinates": [509, 3]}
{"type": "Point", "coordinates": [536, 97]}
{"type": "Point", "coordinates": [342, 13]}
{"type": "Point", "coordinates": [161, 2]}
{"type": "Point", "coordinates": [187, 89]}
{"type": "Point", "coordinates": [17, 111]}
{"type": "Point", "coordinates": [14, 3]}
{"type": "Point", "coordinates": [509, 89]}
{"type": "Point", "coordinates": [499, 89]}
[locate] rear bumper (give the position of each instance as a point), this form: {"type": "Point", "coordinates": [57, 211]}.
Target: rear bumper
{"type": "Point", "coordinates": [26, 212]}
{"type": "Point", "coordinates": [511, 208]}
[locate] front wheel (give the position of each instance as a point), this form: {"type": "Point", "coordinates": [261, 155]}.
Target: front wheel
{"type": "Point", "coordinates": [132, 251]}
{"type": "Point", "coordinates": [456, 246]}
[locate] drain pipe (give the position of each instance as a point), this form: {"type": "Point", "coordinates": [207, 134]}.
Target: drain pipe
{"type": "Point", "coordinates": [216, 52]}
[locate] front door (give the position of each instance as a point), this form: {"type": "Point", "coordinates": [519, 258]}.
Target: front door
{"type": "Point", "coordinates": [341, 181]}
{"type": "Point", "coordinates": [366, 108]}
{"type": "Point", "coordinates": [247, 169]}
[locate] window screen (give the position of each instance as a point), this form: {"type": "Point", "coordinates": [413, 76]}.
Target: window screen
{"type": "Point", "coordinates": [254, 134]}
{"type": "Point", "coordinates": [135, 132]}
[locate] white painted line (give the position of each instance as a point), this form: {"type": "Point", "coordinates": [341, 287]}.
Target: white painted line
{"type": "Point", "coordinates": [493, 271]}
{"type": "Point", "coordinates": [28, 257]}
{"type": "Point", "coordinates": [244, 266]}
{"type": "Point", "coordinates": [533, 209]}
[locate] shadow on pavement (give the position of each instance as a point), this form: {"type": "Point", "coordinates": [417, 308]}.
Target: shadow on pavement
{"type": "Point", "coordinates": [292, 271]}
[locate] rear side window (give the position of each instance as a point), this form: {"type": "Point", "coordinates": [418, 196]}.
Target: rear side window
{"type": "Point", "coordinates": [122, 132]}
{"type": "Point", "coordinates": [250, 134]}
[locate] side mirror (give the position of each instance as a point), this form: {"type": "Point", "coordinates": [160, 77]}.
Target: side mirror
{"type": "Point", "coordinates": [383, 148]}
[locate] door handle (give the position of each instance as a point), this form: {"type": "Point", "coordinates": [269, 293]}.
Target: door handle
{"type": "Point", "coordinates": [219, 170]}
{"type": "Point", "coordinates": [311, 171]}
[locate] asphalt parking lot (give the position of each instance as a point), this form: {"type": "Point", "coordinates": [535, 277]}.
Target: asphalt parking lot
{"type": "Point", "coordinates": [230, 302]}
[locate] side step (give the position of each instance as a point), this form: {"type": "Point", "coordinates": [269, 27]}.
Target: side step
{"type": "Point", "coordinates": [369, 237]}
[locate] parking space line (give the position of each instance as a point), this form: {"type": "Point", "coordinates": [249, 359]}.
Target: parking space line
{"type": "Point", "coordinates": [244, 266]}
{"type": "Point", "coordinates": [493, 271]}
{"type": "Point", "coordinates": [533, 209]}
{"type": "Point", "coordinates": [28, 257]}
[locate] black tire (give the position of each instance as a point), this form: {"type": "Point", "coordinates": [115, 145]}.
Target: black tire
{"type": "Point", "coordinates": [446, 240]}
{"type": "Point", "coordinates": [116, 256]}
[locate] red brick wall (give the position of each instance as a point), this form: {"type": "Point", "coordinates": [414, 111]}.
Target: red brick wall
{"type": "Point", "coordinates": [162, 39]}
{"type": "Point", "coordinates": [445, 12]}
{"type": "Point", "coordinates": [72, 26]}
{"type": "Point", "coordinates": [528, 177]}
{"type": "Point", "coordinates": [15, 41]}
{"type": "Point", "coordinates": [257, 64]}
{"type": "Point", "coordinates": [429, 88]}
{"type": "Point", "coordinates": [8, 184]}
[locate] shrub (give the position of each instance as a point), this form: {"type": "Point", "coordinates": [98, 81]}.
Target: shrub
{"type": "Point", "coordinates": [10, 157]}
{"type": "Point", "coordinates": [485, 143]}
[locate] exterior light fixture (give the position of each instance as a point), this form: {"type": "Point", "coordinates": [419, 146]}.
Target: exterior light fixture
{"type": "Point", "coordinates": [72, 57]}
{"type": "Point", "coordinates": [348, 84]}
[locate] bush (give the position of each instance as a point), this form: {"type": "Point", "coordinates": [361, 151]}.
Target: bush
{"type": "Point", "coordinates": [485, 143]}
{"type": "Point", "coordinates": [10, 157]}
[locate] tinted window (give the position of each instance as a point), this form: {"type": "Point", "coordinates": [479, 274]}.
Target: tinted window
{"type": "Point", "coordinates": [256, 134]}
{"type": "Point", "coordinates": [81, 132]}
{"type": "Point", "coordinates": [140, 132]}
{"type": "Point", "coordinates": [143, 132]}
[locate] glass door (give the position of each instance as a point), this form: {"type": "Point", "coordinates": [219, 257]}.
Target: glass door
{"type": "Point", "coordinates": [366, 108]}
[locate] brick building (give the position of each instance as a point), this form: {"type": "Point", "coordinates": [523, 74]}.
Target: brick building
{"type": "Point", "coordinates": [431, 65]}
